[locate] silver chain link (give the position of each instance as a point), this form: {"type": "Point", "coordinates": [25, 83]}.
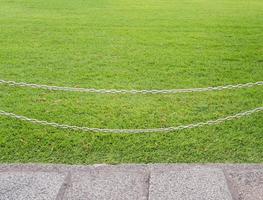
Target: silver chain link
{"type": "Point", "coordinates": [132, 131]}
{"type": "Point", "coordinates": [115, 91]}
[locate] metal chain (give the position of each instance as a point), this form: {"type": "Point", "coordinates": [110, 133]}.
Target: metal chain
{"type": "Point", "coordinates": [122, 91]}
{"type": "Point", "coordinates": [132, 131]}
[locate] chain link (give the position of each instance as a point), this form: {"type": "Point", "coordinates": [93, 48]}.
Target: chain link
{"type": "Point", "coordinates": [122, 91]}
{"type": "Point", "coordinates": [132, 131]}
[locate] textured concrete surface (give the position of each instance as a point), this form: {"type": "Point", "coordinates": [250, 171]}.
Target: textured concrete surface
{"type": "Point", "coordinates": [189, 184]}
{"type": "Point", "coordinates": [154, 182]}
{"type": "Point", "coordinates": [246, 184]}
{"type": "Point", "coordinates": [30, 185]}
{"type": "Point", "coordinates": [110, 184]}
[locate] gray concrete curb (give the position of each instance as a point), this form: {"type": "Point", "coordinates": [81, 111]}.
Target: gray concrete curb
{"type": "Point", "coordinates": [154, 182]}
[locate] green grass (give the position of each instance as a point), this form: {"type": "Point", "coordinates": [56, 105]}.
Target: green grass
{"type": "Point", "coordinates": [131, 44]}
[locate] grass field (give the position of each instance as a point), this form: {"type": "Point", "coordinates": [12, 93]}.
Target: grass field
{"type": "Point", "coordinates": [131, 44]}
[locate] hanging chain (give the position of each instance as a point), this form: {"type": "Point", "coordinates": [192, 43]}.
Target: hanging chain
{"type": "Point", "coordinates": [123, 91]}
{"type": "Point", "coordinates": [133, 131]}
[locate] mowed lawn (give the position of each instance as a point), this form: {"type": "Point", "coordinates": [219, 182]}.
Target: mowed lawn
{"type": "Point", "coordinates": [131, 44]}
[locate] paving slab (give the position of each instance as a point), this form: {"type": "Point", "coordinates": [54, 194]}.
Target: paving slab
{"type": "Point", "coordinates": [245, 184]}
{"type": "Point", "coordinates": [108, 184]}
{"type": "Point", "coordinates": [30, 185]}
{"type": "Point", "coordinates": [189, 184]}
{"type": "Point", "coordinates": [131, 181]}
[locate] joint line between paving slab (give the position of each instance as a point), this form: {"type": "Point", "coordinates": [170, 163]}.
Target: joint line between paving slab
{"type": "Point", "coordinates": [148, 182]}
{"type": "Point", "coordinates": [229, 186]}
{"type": "Point", "coordinates": [65, 185]}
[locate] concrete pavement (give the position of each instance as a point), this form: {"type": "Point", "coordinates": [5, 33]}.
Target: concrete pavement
{"type": "Point", "coordinates": [142, 182]}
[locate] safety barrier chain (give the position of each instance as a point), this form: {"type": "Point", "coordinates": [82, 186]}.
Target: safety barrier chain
{"type": "Point", "coordinates": [122, 91]}
{"type": "Point", "coordinates": [132, 131]}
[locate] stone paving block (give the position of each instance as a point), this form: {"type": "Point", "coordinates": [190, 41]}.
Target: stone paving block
{"type": "Point", "coordinates": [30, 185]}
{"type": "Point", "coordinates": [189, 184]}
{"type": "Point", "coordinates": [108, 184]}
{"type": "Point", "coordinates": [246, 185]}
